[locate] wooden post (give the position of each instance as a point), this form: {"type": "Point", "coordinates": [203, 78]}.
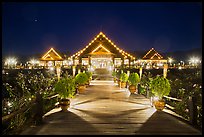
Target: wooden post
{"type": "Point", "coordinates": [192, 110]}
{"type": "Point", "coordinates": [128, 73]}
{"type": "Point", "coordinates": [73, 70]}
{"type": "Point", "coordinates": [39, 109]}
{"type": "Point", "coordinates": [58, 70]}
{"type": "Point", "coordinates": [79, 70]}
{"type": "Point", "coordinates": [138, 88]}
{"type": "Point", "coordinates": [140, 72]}
{"type": "Point", "coordinates": [165, 70]}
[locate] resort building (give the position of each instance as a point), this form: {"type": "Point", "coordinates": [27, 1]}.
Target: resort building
{"type": "Point", "coordinates": [101, 52]}
{"type": "Point", "coordinates": [51, 58]}
{"type": "Point", "coordinates": [152, 59]}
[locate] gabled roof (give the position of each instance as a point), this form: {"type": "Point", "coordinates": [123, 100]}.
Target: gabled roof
{"type": "Point", "coordinates": [152, 54]}
{"type": "Point", "coordinates": [51, 55]}
{"type": "Point", "coordinates": [102, 45]}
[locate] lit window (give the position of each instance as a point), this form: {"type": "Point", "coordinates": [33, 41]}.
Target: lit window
{"type": "Point", "coordinates": [117, 62]}
{"type": "Point", "coordinates": [76, 61]}
{"type": "Point", "coordinates": [85, 61]}
{"type": "Point", "coordinates": [126, 61]}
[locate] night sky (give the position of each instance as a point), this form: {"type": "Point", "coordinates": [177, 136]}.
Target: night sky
{"type": "Point", "coordinates": [33, 28]}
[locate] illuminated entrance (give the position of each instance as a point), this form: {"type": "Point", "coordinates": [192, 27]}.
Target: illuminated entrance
{"type": "Point", "coordinates": [101, 53]}
{"type": "Point", "coordinates": [102, 63]}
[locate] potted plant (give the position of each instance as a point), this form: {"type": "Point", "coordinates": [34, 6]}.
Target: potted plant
{"type": "Point", "coordinates": [118, 78]}
{"type": "Point", "coordinates": [65, 87]}
{"type": "Point", "coordinates": [160, 87]}
{"type": "Point", "coordinates": [123, 79]}
{"type": "Point", "coordinates": [89, 75]}
{"type": "Point", "coordinates": [114, 76]}
{"type": "Point", "coordinates": [81, 79]}
{"type": "Point", "coordinates": [133, 80]}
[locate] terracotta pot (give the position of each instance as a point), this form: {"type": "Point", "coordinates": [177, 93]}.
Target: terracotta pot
{"type": "Point", "coordinates": [123, 84]}
{"type": "Point", "coordinates": [64, 104]}
{"type": "Point", "coordinates": [159, 104]}
{"type": "Point", "coordinates": [132, 89]}
{"type": "Point", "coordinates": [81, 88]}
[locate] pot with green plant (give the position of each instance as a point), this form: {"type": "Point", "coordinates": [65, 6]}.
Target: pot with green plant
{"type": "Point", "coordinates": [123, 79]}
{"type": "Point", "coordinates": [81, 79]}
{"type": "Point", "coordinates": [114, 76]}
{"type": "Point", "coordinates": [118, 78]}
{"type": "Point", "coordinates": [160, 87]}
{"type": "Point", "coordinates": [133, 80]}
{"type": "Point", "coordinates": [89, 75]}
{"type": "Point", "coordinates": [65, 87]}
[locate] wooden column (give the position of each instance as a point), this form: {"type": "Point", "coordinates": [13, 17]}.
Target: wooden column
{"type": "Point", "coordinates": [193, 110]}
{"type": "Point", "coordinates": [38, 117]}
{"type": "Point", "coordinates": [165, 70]}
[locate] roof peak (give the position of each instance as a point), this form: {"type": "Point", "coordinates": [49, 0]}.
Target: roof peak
{"type": "Point", "coordinates": [101, 33]}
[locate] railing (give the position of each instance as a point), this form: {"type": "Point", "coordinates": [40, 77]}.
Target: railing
{"type": "Point", "coordinates": [33, 111]}
{"type": "Point", "coordinates": [191, 107]}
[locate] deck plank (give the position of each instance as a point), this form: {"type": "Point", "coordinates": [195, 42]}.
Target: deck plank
{"type": "Point", "coordinates": [105, 109]}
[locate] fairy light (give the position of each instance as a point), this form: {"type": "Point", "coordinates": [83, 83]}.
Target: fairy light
{"type": "Point", "coordinates": [103, 35]}
{"type": "Point", "coordinates": [48, 54]}
{"type": "Point", "coordinates": [101, 47]}
{"type": "Point", "coordinates": [155, 54]}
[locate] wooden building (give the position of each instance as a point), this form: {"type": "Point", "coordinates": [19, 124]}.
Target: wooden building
{"type": "Point", "coordinates": [101, 52]}
{"type": "Point", "coordinates": [51, 58]}
{"type": "Point", "coordinates": [152, 59]}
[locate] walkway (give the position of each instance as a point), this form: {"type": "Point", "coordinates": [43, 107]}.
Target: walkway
{"type": "Point", "coordinates": [105, 109]}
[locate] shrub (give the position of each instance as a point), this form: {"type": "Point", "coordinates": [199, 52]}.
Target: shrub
{"type": "Point", "coordinates": [134, 79]}
{"type": "Point", "coordinates": [160, 86]}
{"type": "Point", "coordinates": [123, 77]}
{"type": "Point", "coordinates": [65, 87]}
{"type": "Point", "coordinates": [89, 74]}
{"type": "Point", "coordinates": [81, 78]}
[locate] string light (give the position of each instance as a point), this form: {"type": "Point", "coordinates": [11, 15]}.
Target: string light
{"type": "Point", "coordinates": [101, 47]}
{"type": "Point", "coordinates": [48, 54]}
{"type": "Point", "coordinates": [103, 35]}
{"type": "Point", "coordinates": [155, 54]}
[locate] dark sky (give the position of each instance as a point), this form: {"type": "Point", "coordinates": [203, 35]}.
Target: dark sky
{"type": "Point", "coordinates": [30, 28]}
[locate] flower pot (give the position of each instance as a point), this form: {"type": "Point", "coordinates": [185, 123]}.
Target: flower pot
{"type": "Point", "coordinates": [81, 88]}
{"type": "Point", "coordinates": [159, 104]}
{"type": "Point", "coordinates": [132, 89]}
{"type": "Point", "coordinates": [64, 104]}
{"type": "Point", "coordinates": [123, 84]}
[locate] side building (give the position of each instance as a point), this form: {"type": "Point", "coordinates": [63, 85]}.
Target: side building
{"type": "Point", "coordinates": [152, 59]}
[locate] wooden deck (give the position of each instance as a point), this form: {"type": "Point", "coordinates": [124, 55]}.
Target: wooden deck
{"type": "Point", "coordinates": [105, 109]}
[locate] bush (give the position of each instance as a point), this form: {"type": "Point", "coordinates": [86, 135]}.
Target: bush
{"type": "Point", "coordinates": [81, 78]}
{"type": "Point", "coordinates": [123, 77]}
{"type": "Point", "coordinates": [160, 86]}
{"type": "Point", "coordinates": [134, 79]}
{"type": "Point", "coordinates": [65, 87]}
{"type": "Point", "coordinates": [89, 74]}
